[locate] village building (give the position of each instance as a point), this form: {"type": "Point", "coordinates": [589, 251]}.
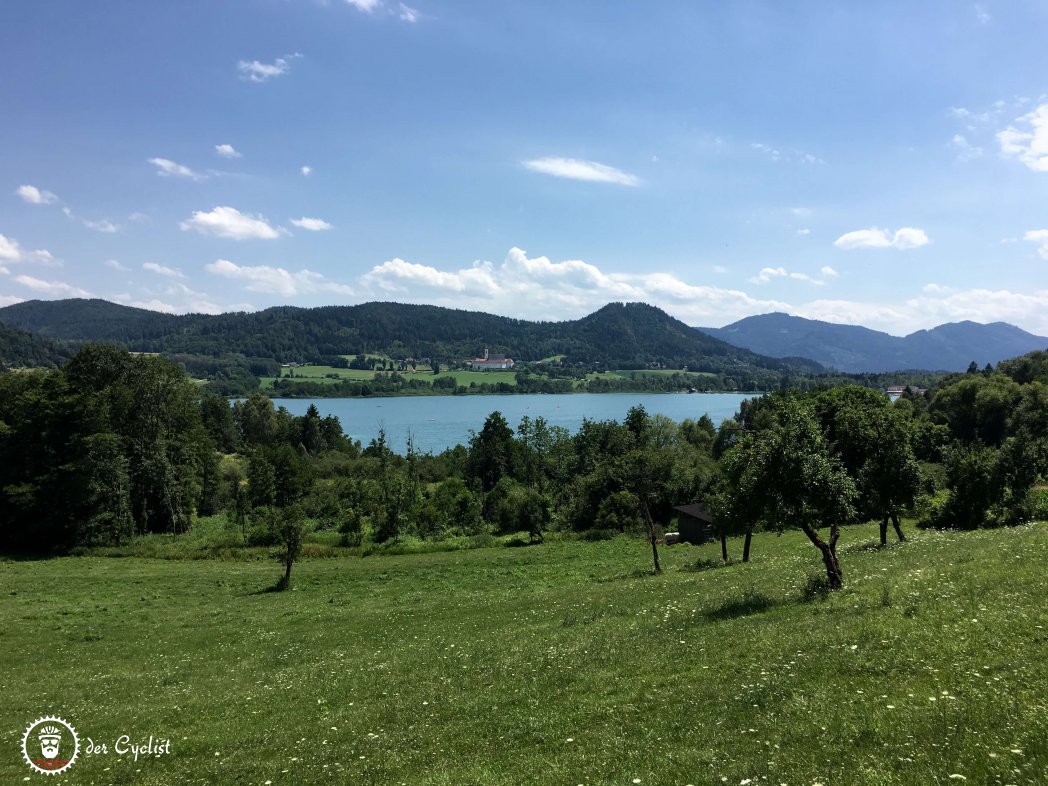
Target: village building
{"type": "Point", "coordinates": [492, 362]}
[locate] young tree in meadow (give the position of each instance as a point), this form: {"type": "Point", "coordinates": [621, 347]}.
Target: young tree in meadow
{"type": "Point", "coordinates": [290, 528]}
{"type": "Point", "coordinates": [783, 476]}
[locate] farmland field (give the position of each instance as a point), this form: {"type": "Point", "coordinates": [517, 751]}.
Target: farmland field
{"type": "Point", "coordinates": [560, 663]}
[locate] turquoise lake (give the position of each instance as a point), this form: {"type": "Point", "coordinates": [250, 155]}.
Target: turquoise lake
{"type": "Point", "coordinates": [439, 422]}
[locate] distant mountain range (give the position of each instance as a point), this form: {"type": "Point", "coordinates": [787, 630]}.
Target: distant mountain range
{"type": "Point", "coordinates": [620, 335]}
{"type": "Point", "coordinates": [854, 349]}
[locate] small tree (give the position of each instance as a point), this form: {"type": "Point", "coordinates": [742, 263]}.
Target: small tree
{"type": "Point", "coordinates": [783, 476]}
{"type": "Point", "coordinates": [290, 528]}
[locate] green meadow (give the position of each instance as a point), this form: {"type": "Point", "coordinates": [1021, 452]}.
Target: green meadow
{"type": "Point", "coordinates": [562, 663]}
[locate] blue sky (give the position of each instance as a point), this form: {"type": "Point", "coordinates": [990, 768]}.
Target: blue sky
{"type": "Point", "coordinates": [883, 164]}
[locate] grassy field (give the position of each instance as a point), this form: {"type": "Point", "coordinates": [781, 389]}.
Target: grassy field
{"type": "Point", "coordinates": [563, 663]}
{"type": "Point", "coordinates": [320, 374]}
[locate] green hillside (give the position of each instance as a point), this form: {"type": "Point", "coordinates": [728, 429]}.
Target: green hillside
{"type": "Point", "coordinates": [563, 663]}
{"type": "Point", "coordinates": [619, 335]}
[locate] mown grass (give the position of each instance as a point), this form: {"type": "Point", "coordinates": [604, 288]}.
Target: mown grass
{"type": "Point", "coordinates": [562, 663]}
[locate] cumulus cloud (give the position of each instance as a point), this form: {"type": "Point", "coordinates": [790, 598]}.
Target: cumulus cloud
{"type": "Point", "coordinates": [366, 6]}
{"type": "Point", "coordinates": [408, 14]}
{"type": "Point", "coordinates": [104, 225]}
{"type": "Point", "coordinates": [227, 151]}
{"type": "Point", "coordinates": [828, 272]}
{"type": "Point", "coordinates": [168, 168]}
{"type": "Point", "coordinates": [230, 223]}
{"type": "Point", "coordinates": [311, 224]}
{"type": "Point", "coordinates": [1029, 142]}
{"type": "Point", "coordinates": [768, 274]}
{"type": "Point", "coordinates": [306, 171]}
{"type": "Point", "coordinates": [276, 280]}
{"type": "Point", "coordinates": [1040, 237]}
{"type": "Point", "coordinates": [538, 288]}
{"type": "Point", "coordinates": [51, 287]}
{"type": "Point", "coordinates": [255, 71]}
{"type": "Point", "coordinates": [162, 270]}
{"type": "Point", "coordinates": [10, 300]}
{"type": "Point", "coordinates": [11, 251]}
{"type": "Point", "coordinates": [36, 196]}
{"type": "Point", "coordinates": [903, 239]}
{"type": "Point", "coordinates": [966, 151]}
{"type": "Point", "coordinates": [115, 265]}
{"type": "Point", "coordinates": [577, 169]}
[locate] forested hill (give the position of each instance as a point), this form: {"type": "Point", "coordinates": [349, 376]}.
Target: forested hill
{"type": "Point", "coordinates": [855, 349]}
{"type": "Point", "coordinates": [632, 335]}
{"type": "Point", "coordinates": [21, 349]}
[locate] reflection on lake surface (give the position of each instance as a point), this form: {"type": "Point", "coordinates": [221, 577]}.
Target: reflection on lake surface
{"type": "Point", "coordinates": [439, 422]}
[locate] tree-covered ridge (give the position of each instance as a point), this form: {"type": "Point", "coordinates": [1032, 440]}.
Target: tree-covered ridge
{"type": "Point", "coordinates": [632, 335]}
{"type": "Point", "coordinates": [21, 349]}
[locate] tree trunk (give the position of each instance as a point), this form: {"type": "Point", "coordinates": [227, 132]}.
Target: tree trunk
{"type": "Point", "coordinates": [724, 545]}
{"type": "Point", "coordinates": [834, 577]}
{"type": "Point", "coordinates": [898, 527]}
{"type": "Point", "coordinates": [654, 539]}
{"type": "Point", "coordinates": [884, 531]}
{"type": "Point", "coordinates": [288, 562]}
{"type": "Point", "coordinates": [746, 544]}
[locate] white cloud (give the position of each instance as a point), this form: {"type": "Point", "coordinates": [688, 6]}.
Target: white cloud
{"type": "Point", "coordinates": [230, 223]}
{"type": "Point", "coordinates": [1040, 237]}
{"type": "Point", "coordinates": [311, 224]}
{"type": "Point", "coordinates": [803, 232]}
{"type": "Point", "coordinates": [720, 269]}
{"type": "Point", "coordinates": [829, 272]}
{"type": "Point", "coordinates": [966, 151]}
{"type": "Point", "coordinates": [1029, 146]}
{"type": "Point", "coordinates": [577, 169]}
{"type": "Point", "coordinates": [10, 300]}
{"type": "Point", "coordinates": [51, 287]}
{"type": "Point", "coordinates": [162, 270]}
{"type": "Point", "coordinates": [276, 280]}
{"type": "Point", "coordinates": [168, 168]}
{"type": "Point", "coordinates": [102, 226]}
{"type": "Point", "coordinates": [4, 271]}
{"type": "Point", "coordinates": [227, 151]}
{"type": "Point", "coordinates": [982, 16]}
{"type": "Point", "coordinates": [408, 14]}
{"type": "Point", "coordinates": [903, 239]}
{"type": "Point", "coordinates": [11, 251]}
{"type": "Point", "coordinates": [36, 196]}
{"type": "Point", "coordinates": [115, 265]}
{"type": "Point", "coordinates": [537, 288]}
{"type": "Point", "coordinates": [768, 274]}
{"type": "Point", "coordinates": [364, 5]}
{"type": "Point", "coordinates": [306, 171]}
{"type": "Point", "coordinates": [768, 150]}
{"type": "Point", "coordinates": [255, 71]}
